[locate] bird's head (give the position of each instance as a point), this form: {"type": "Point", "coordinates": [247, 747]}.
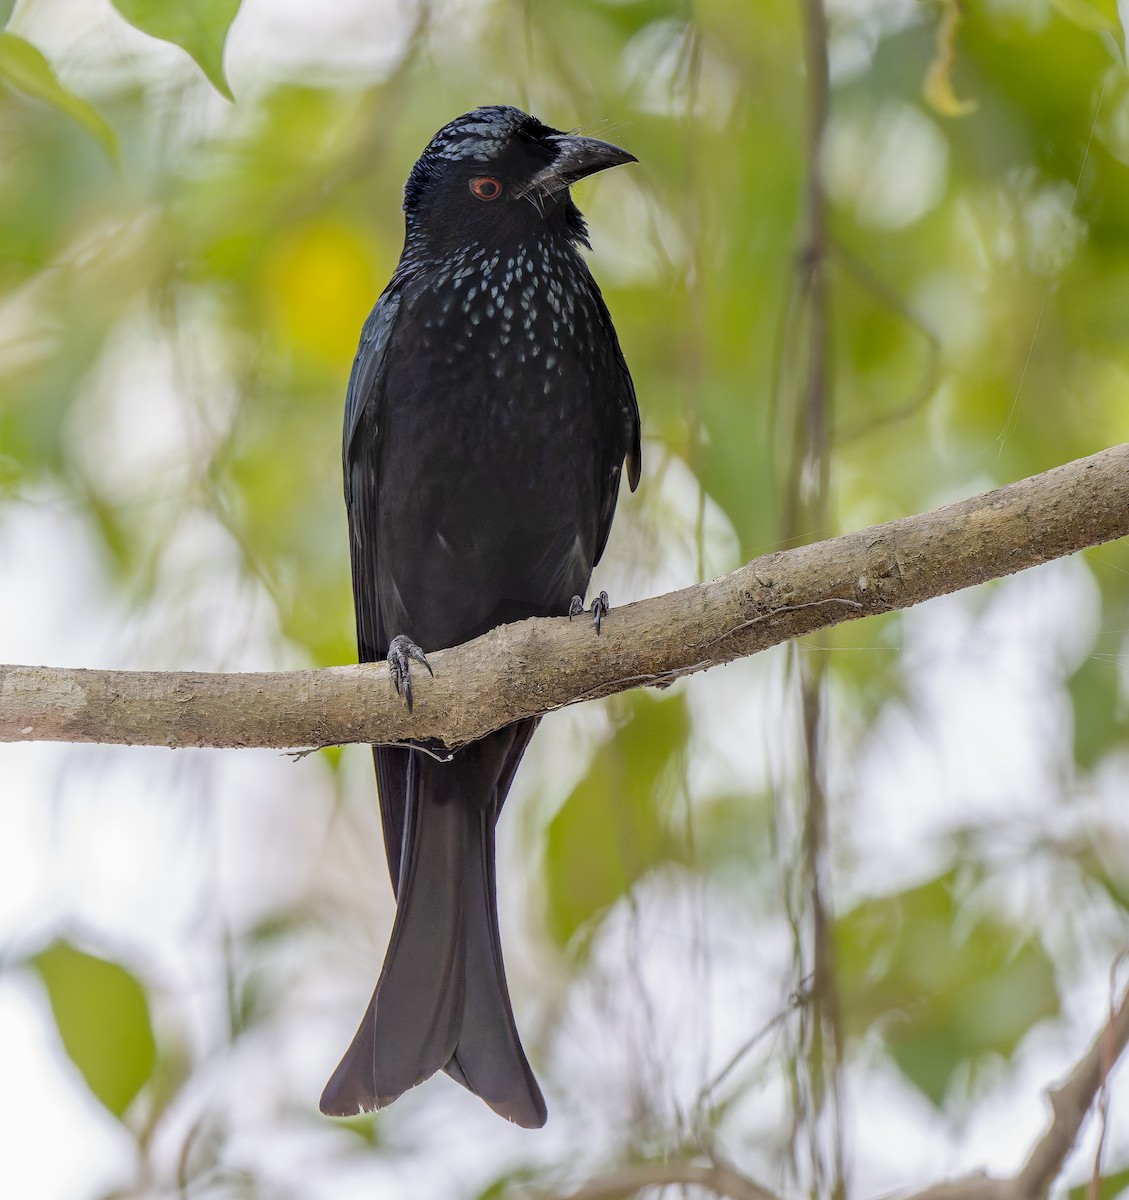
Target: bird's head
{"type": "Point", "coordinates": [496, 176]}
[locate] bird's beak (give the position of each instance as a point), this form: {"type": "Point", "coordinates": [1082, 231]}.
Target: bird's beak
{"type": "Point", "coordinates": [578, 157]}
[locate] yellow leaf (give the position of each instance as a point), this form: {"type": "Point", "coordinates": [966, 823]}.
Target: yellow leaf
{"type": "Point", "coordinates": [938, 85]}
{"type": "Point", "coordinates": [318, 285]}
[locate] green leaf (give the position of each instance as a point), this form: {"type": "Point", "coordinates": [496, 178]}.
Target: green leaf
{"type": "Point", "coordinates": [198, 26]}
{"type": "Point", "coordinates": [942, 992]}
{"type": "Point", "coordinates": [365, 1127]}
{"type": "Point", "coordinates": [1109, 1187]}
{"type": "Point", "coordinates": [611, 829]}
{"type": "Point", "coordinates": [6, 7]}
{"type": "Point", "coordinates": [521, 1179]}
{"type": "Point", "coordinates": [1095, 695]}
{"type": "Point", "coordinates": [1101, 16]}
{"type": "Point", "coordinates": [24, 67]}
{"type": "Point", "coordinates": [102, 1014]}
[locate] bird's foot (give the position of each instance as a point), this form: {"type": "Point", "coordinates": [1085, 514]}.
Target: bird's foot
{"type": "Point", "coordinates": [401, 651]}
{"type": "Point", "coordinates": [599, 610]}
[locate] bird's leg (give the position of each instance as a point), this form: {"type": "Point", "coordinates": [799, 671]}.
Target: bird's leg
{"type": "Point", "coordinates": [599, 609]}
{"type": "Point", "coordinates": [401, 650]}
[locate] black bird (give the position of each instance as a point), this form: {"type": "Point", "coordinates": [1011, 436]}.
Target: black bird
{"type": "Point", "coordinates": [487, 421]}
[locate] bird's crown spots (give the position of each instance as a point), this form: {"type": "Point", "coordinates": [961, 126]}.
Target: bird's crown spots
{"type": "Point", "coordinates": [485, 132]}
{"type": "Point", "coordinates": [483, 135]}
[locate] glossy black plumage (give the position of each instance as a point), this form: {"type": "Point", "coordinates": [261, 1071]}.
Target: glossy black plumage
{"type": "Point", "coordinates": [488, 418]}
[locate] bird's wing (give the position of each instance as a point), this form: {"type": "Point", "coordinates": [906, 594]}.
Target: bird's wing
{"type": "Point", "coordinates": [627, 446]}
{"type": "Point", "coordinates": [631, 422]}
{"type": "Point", "coordinates": [359, 451]}
{"type": "Point", "coordinates": [359, 443]}
{"type": "Point", "coordinates": [361, 396]}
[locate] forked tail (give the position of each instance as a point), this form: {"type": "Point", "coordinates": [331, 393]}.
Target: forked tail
{"type": "Point", "coordinates": [441, 1001]}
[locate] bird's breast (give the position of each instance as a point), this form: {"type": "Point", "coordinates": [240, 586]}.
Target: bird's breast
{"type": "Point", "coordinates": [506, 363]}
{"type": "Point", "coordinates": [500, 312]}
{"type": "Point", "coordinates": [499, 416]}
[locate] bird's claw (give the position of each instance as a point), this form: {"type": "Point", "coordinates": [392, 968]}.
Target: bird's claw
{"type": "Point", "coordinates": [401, 651]}
{"type": "Point", "coordinates": [600, 607]}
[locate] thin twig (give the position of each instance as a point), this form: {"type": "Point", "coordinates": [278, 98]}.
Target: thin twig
{"type": "Point", "coordinates": [809, 504]}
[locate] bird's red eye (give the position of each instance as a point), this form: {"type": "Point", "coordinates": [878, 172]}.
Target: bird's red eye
{"type": "Point", "coordinates": [486, 187]}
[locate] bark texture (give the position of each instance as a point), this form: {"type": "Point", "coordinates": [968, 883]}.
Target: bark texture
{"type": "Point", "coordinates": [536, 666]}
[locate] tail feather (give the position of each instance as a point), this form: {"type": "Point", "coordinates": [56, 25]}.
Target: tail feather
{"type": "Point", "coordinates": [441, 1001]}
{"type": "Point", "coordinates": [411, 1026]}
{"type": "Point", "coordinates": [489, 1059]}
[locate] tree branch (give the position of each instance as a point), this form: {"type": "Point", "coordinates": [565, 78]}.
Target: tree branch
{"type": "Point", "coordinates": [1069, 1104]}
{"type": "Point", "coordinates": [716, 1177]}
{"type": "Point", "coordinates": [536, 666]}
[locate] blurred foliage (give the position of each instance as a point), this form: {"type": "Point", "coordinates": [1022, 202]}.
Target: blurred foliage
{"type": "Point", "coordinates": [24, 67]}
{"type": "Point", "coordinates": [943, 986]}
{"type": "Point", "coordinates": [178, 318]}
{"type": "Point", "coordinates": [1100, 717]}
{"type": "Point", "coordinates": [615, 825]}
{"type": "Point", "coordinates": [1109, 1188]}
{"type": "Point", "coordinates": [1099, 15]}
{"type": "Point", "coordinates": [102, 1014]}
